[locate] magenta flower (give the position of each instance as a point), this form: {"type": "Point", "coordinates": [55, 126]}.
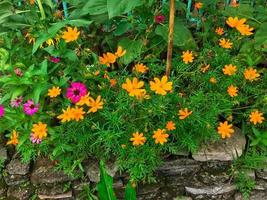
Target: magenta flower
{"type": "Point", "coordinates": [159, 19]}
{"type": "Point", "coordinates": [29, 107]}
{"type": "Point", "coordinates": [55, 59]}
{"type": "Point", "coordinates": [16, 102]}
{"type": "Point", "coordinates": [2, 110]}
{"type": "Point", "coordinates": [34, 139]}
{"type": "Point", "coordinates": [76, 91]}
{"type": "Point", "coordinates": [18, 72]}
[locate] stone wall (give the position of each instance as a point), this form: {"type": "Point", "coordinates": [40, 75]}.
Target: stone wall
{"type": "Point", "coordinates": [204, 175]}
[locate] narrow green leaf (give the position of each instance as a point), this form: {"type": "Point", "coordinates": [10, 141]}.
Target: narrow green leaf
{"type": "Point", "coordinates": [130, 193]}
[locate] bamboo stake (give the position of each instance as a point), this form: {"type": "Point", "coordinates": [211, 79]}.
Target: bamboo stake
{"type": "Point", "coordinates": [170, 38]}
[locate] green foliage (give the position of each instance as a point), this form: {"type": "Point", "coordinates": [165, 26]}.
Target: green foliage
{"type": "Point", "coordinates": [245, 184]}
{"type": "Point", "coordinates": [259, 139]}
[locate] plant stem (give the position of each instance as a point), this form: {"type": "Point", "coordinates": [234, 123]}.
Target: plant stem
{"type": "Point", "coordinates": [41, 9]}
{"type": "Point", "coordinates": [170, 39]}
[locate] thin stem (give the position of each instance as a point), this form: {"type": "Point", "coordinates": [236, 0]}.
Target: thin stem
{"type": "Point", "coordinates": [170, 39]}
{"type": "Point", "coordinates": [41, 9]}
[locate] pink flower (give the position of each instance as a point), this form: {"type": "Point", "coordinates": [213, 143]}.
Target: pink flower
{"type": "Point", "coordinates": [34, 139]}
{"type": "Point", "coordinates": [159, 19]}
{"type": "Point", "coordinates": [55, 59]}
{"type": "Point", "coordinates": [16, 102]}
{"type": "Point", "coordinates": [29, 107]}
{"type": "Point", "coordinates": [76, 91]}
{"type": "Point", "coordinates": [2, 110]}
{"type": "Point", "coordinates": [18, 72]}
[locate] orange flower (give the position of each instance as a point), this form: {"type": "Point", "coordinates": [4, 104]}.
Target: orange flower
{"type": "Point", "coordinates": [107, 59]}
{"type": "Point", "coordinates": [232, 91]}
{"type": "Point", "coordinates": [77, 113]}
{"type": "Point", "coordinates": [138, 139]}
{"type": "Point", "coordinates": [205, 68]}
{"type": "Point", "coordinates": [245, 30]}
{"type": "Point", "coordinates": [229, 69]}
{"type": "Point", "coordinates": [113, 82]}
{"type": "Point", "coordinates": [14, 138]}
{"type": "Point", "coordinates": [170, 126]}
{"type": "Point", "coordinates": [225, 43]}
{"type": "Point", "coordinates": [39, 130]}
{"type": "Point", "coordinates": [140, 68]}
{"type": "Point", "coordinates": [213, 80]}
{"type": "Point", "coordinates": [235, 22]}
{"type": "Point", "coordinates": [251, 74]}
{"type": "Point", "coordinates": [225, 129]}
{"type": "Point", "coordinates": [120, 52]}
{"type": "Point", "coordinates": [54, 92]}
{"type": "Point", "coordinates": [95, 104]}
{"type": "Point", "coordinates": [160, 136]}
{"type": "Point", "coordinates": [234, 3]}
{"type": "Point", "coordinates": [161, 86]}
{"type": "Point", "coordinates": [84, 100]}
{"type": "Point", "coordinates": [256, 117]}
{"type": "Point", "coordinates": [187, 57]}
{"type": "Point", "coordinates": [67, 115]}
{"type": "Point", "coordinates": [31, 2]}
{"type": "Point", "coordinates": [184, 113]}
{"type": "Point", "coordinates": [70, 34]}
{"type": "Point", "coordinates": [219, 31]}
{"type": "Point", "coordinates": [198, 5]}
{"type": "Point", "coordinates": [97, 72]}
{"type": "Point", "coordinates": [134, 88]}
{"type": "Point", "coordinates": [143, 95]}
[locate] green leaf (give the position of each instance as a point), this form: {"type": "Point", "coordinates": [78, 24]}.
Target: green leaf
{"type": "Point", "coordinates": [182, 36]}
{"type": "Point", "coordinates": [118, 7]}
{"type": "Point", "coordinates": [104, 187]}
{"type": "Point", "coordinates": [261, 38]}
{"type": "Point", "coordinates": [130, 193]}
{"type": "Point", "coordinates": [133, 50]}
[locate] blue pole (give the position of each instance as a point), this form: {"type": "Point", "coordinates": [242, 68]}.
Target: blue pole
{"type": "Point", "coordinates": [65, 8]}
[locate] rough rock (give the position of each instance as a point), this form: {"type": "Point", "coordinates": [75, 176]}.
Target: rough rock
{"type": "Point", "coordinates": [14, 179]}
{"type": "Point", "coordinates": [65, 196]}
{"type": "Point", "coordinates": [262, 174]}
{"type": "Point", "coordinates": [179, 167]}
{"type": "Point", "coordinates": [3, 153]}
{"type": "Point", "coordinates": [15, 166]}
{"type": "Point", "coordinates": [212, 190]}
{"type": "Point", "coordinates": [255, 195]}
{"type": "Point", "coordinates": [93, 173]}
{"type": "Point", "coordinates": [3, 188]}
{"type": "Point", "coordinates": [20, 192]}
{"type": "Point", "coordinates": [223, 150]}
{"type": "Point", "coordinates": [261, 185]}
{"type": "Point", "coordinates": [44, 172]}
{"type": "Point", "coordinates": [182, 198]}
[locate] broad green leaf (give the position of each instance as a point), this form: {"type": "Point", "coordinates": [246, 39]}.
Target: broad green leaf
{"type": "Point", "coordinates": [261, 38]}
{"type": "Point", "coordinates": [104, 187]}
{"type": "Point", "coordinates": [118, 7]}
{"type": "Point", "coordinates": [182, 36]}
{"type": "Point", "coordinates": [133, 50]}
{"type": "Point", "coordinates": [130, 193]}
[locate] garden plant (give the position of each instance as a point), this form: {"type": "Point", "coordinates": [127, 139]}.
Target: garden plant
{"type": "Point", "coordinates": [132, 81]}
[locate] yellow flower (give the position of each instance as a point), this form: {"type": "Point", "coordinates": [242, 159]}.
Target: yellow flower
{"type": "Point", "coordinates": [84, 100]}
{"type": "Point", "coordinates": [232, 91]}
{"type": "Point", "coordinates": [54, 92]}
{"type": "Point", "coordinates": [50, 42]}
{"type": "Point", "coordinates": [120, 52]}
{"type": "Point", "coordinates": [107, 59]}
{"type": "Point", "coordinates": [30, 38]}
{"type": "Point", "coordinates": [205, 68]}
{"type": "Point", "coordinates": [143, 95]}
{"type": "Point", "coordinates": [187, 57]}
{"type": "Point", "coordinates": [140, 68]}
{"type": "Point", "coordinates": [161, 86]}
{"type": "Point", "coordinates": [256, 117]}
{"type": "Point", "coordinates": [219, 31]}
{"type": "Point", "coordinates": [251, 74]}
{"type": "Point", "coordinates": [95, 104]}
{"type": "Point", "coordinates": [138, 139]}
{"type": "Point", "coordinates": [160, 136]}
{"type": "Point", "coordinates": [213, 80]}
{"type": "Point", "coordinates": [77, 113]}
{"type": "Point", "coordinates": [67, 115]}
{"type": "Point", "coordinates": [134, 88]}
{"type": "Point", "coordinates": [225, 43]}
{"type": "Point", "coordinates": [245, 30]}
{"type": "Point", "coordinates": [14, 138]}
{"type": "Point", "coordinates": [39, 130]}
{"type": "Point", "coordinates": [71, 34]}
{"type": "Point", "coordinates": [198, 5]}
{"type": "Point", "coordinates": [184, 113]}
{"type": "Point", "coordinates": [225, 129]}
{"type": "Point", "coordinates": [235, 22]}
{"type": "Point", "coordinates": [170, 126]}
{"type": "Point", "coordinates": [229, 69]}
